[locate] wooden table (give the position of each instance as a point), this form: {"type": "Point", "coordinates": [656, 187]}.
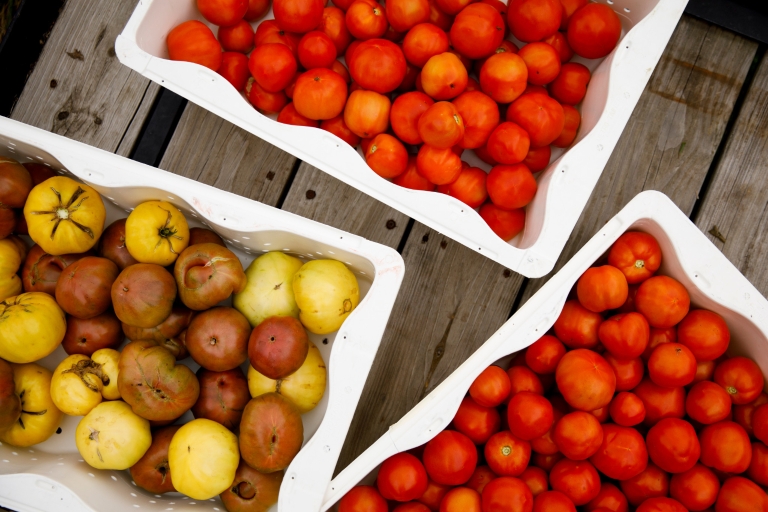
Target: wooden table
{"type": "Point", "coordinates": [699, 134]}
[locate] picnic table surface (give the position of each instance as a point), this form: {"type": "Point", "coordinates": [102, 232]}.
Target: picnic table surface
{"type": "Point", "coordinates": [699, 134]}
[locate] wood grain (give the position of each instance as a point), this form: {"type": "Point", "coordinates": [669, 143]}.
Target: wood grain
{"type": "Point", "coordinates": [78, 88]}
{"type": "Point", "coordinates": [673, 134]}
{"type": "Point", "coordinates": [734, 211]}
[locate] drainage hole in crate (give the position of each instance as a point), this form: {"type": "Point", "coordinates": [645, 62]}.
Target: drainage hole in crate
{"type": "Point", "coordinates": [91, 475]}
{"type": "Point", "coordinates": [626, 9]}
{"type": "Point", "coordinates": [114, 478]}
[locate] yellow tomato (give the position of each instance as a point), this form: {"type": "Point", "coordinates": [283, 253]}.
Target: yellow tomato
{"type": "Point", "coordinates": [64, 216]}
{"type": "Point", "coordinates": [268, 291]}
{"type": "Point", "coordinates": [203, 457]}
{"type": "Point", "coordinates": [326, 292]}
{"type": "Point", "coordinates": [304, 388]}
{"type": "Point", "coordinates": [156, 232]}
{"type": "Point", "coordinates": [76, 385]}
{"type": "Point", "coordinates": [112, 436]}
{"type": "Point", "coordinates": [32, 325]}
{"type": "Point", "coordinates": [10, 261]}
{"type": "Point", "coordinates": [108, 358]}
{"type": "Point", "coordinates": [39, 416]}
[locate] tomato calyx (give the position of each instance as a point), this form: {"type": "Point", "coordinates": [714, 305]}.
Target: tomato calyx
{"type": "Point", "coordinates": [243, 489]}
{"type": "Point", "coordinates": [63, 212]}
{"type": "Point", "coordinates": [89, 367]}
{"type": "Point", "coordinates": [639, 263]}
{"type": "Point", "coordinates": [167, 232]}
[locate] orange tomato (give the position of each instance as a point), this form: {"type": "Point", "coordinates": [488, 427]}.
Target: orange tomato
{"type": "Point", "coordinates": [534, 20]}
{"type": "Point", "coordinates": [542, 61]}
{"type": "Point", "coordinates": [477, 31]}
{"type": "Point", "coordinates": [320, 94]}
{"type": "Point", "coordinates": [507, 224]}
{"type": "Point", "coordinates": [461, 499]}
{"type": "Point", "coordinates": [504, 77]}
{"type": "Point", "coordinates": [367, 113]}
{"type": "Point", "coordinates": [334, 25]}
{"type": "Point", "coordinates": [423, 41]}
{"type": "Point", "coordinates": [663, 301]}
{"type": "Point", "coordinates": [636, 254]}
{"type": "Point", "coordinates": [444, 76]}
{"type": "Point", "coordinates": [387, 156]}
{"type": "Point", "coordinates": [192, 41]}
{"type": "Point", "coordinates": [672, 365]}
{"type": "Point", "coordinates": [594, 31]}
{"type": "Point", "coordinates": [541, 116]}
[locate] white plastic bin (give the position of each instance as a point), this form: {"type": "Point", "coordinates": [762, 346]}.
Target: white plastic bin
{"type": "Point", "coordinates": [711, 280]}
{"type": "Point", "coordinates": [564, 187]}
{"type": "Point", "coordinates": [52, 477]}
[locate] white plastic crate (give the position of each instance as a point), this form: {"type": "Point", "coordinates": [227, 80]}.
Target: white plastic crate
{"type": "Point", "coordinates": [564, 187]}
{"type": "Point", "coordinates": [687, 255]}
{"type": "Point", "coordinates": [52, 477]}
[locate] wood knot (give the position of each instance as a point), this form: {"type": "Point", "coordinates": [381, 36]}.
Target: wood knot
{"type": "Point", "coordinates": [311, 194]}
{"type": "Point", "coordinates": [54, 83]}
{"type": "Point", "coordinates": [62, 115]}
{"type": "Point", "coordinates": [270, 175]}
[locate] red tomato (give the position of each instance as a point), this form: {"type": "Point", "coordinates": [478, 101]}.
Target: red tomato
{"type": "Point", "coordinates": [424, 41]}
{"type": "Point", "coordinates": [321, 94]}
{"type": "Point", "coordinates": [289, 115]}
{"type": "Point", "coordinates": [625, 336]}
{"type": "Point", "coordinates": [363, 498]}
{"type": "Point", "coordinates": [623, 453]}
{"type": "Point", "coordinates": [192, 41]}
{"type": "Point", "coordinates": [760, 423]}
{"type": "Point", "coordinates": [707, 403]}
{"type": "Point", "coordinates": [602, 288]}
{"type": "Point", "coordinates": [224, 13]}
{"type": "Point", "coordinates": [412, 179]}
{"type": "Point", "coordinates": [736, 492]}
{"type": "Point", "coordinates": [461, 499]}
{"type": "Point", "coordinates": [578, 435]}
{"type": "Point", "coordinates": [269, 31]}
{"type": "Point", "coordinates": [444, 77]}
{"type": "Point", "coordinates": [542, 61]}
{"type": "Point", "coordinates": [491, 387]}
{"type": "Point", "coordinates": [507, 224]}
{"type": "Point", "coordinates": [433, 495]}
{"type": "Point", "coordinates": [367, 113]}
{"type": "Point", "coordinates": [480, 115]}
{"type": "Point", "coordinates": [553, 501]}
{"type": "Point", "coordinates": [559, 42]}
{"type": "Point", "coordinates": [439, 17]}
{"type": "Point", "coordinates": [402, 478]}
{"type": "Point", "coordinates": [477, 31]}
{"type": "Point", "coordinates": [441, 125]}
{"type": "Point", "coordinates": [572, 120]}
{"type": "Point", "coordinates": [411, 506]}
{"type": "Point", "coordinates": [534, 20]}
{"type": "Point", "coordinates": [257, 9]}
{"type": "Point", "coordinates": [544, 354]}
{"type": "Point", "coordinates": [506, 454]}
{"type": "Point", "coordinates": [741, 378]}
{"type": "Point", "coordinates": [537, 159]}
{"type": "Point", "coordinates": [705, 333]}
{"type": "Point", "coordinates": [672, 365]}
{"type": "Point", "coordinates": [636, 254]}
{"type": "Point", "coordinates": [480, 478]}
{"type": "Point", "coordinates": [594, 31]}
{"type": "Point", "coordinates": [334, 25]}
{"type": "Point", "coordinates": [469, 187]}
{"type": "Point", "coordinates": [450, 458]}
{"type": "Point", "coordinates": [266, 102]}
{"type": "Point", "coordinates": [725, 446]}
{"type": "Point", "coordinates": [234, 67]}
{"type": "Point", "coordinates": [273, 66]}
{"type": "Point", "coordinates": [652, 482]}
{"type": "Point", "coordinates": [505, 46]}
{"type": "Point", "coordinates": [377, 65]}
{"type": "Point", "coordinates": [705, 370]}
{"type": "Point", "coordinates": [405, 114]}
{"type": "Point", "coordinates": [546, 462]}
{"type": "Point", "coordinates": [673, 445]}
{"type": "Point", "coordinates": [338, 127]}
{"type": "Point", "coordinates": [509, 144]}
{"type": "Point", "coordinates": [577, 327]}
{"type": "Point", "coordinates": [661, 505]}
{"type": "Point", "coordinates": [758, 467]}
{"type": "Point", "coordinates": [366, 20]}
{"type": "Point", "coordinates": [507, 494]}
{"type": "Point", "coordinates": [541, 116]}
{"type": "Point", "coordinates": [316, 50]}
{"type": "Point", "coordinates": [742, 414]}
{"type": "Point", "coordinates": [663, 301]}
{"type": "Point", "coordinates": [659, 336]}
{"type": "Point", "coordinates": [511, 186]}
{"type": "Point", "coordinates": [504, 77]}
{"type": "Point", "coordinates": [387, 156]}
{"type": "Point", "coordinates": [535, 479]}
{"type": "Point", "coordinates": [439, 166]}
{"type": "Point", "coordinates": [529, 415]}
{"type": "Point", "coordinates": [339, 68]}
{"type": "Point", "coordinates": [696, 488]}
{"type": "Point", "coordinates": [585, 380]}
{"type": "Point", "coordinates": [298, 16]}
{"type": "Point", "coordinates": [405, 14]}
{"type": "Point", "coordinates": [627, 409]}
{"type": "Point", "coordinates": [630, 251]}
{"type": "Point", "coordinates": [629, 372]}
{"type": "Point", "coordinates": [475, 421]}
{"type": "Point", "coordinates": [237, 38]}
{"type": "Point", "coordinates": [601, 414]}
{"type": "Point", "coordinates": [576, 479]}
{"type": "Point", "coordinates": [660, 402]}
{"type": "Point", "coordinates": [609, 498]}
{"type": "Point", "coordinates": [569, 7]}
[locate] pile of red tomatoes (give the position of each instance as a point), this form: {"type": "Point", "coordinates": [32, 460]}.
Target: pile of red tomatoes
{"type": "Point", "coordinates": [630, 403]}
{"type": "Point", "coordinates": [424, 81]}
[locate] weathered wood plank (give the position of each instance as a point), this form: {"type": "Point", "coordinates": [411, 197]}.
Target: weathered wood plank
{"type": "Point", "coordinates": [734, 211]}
{"type": "Point", "coordinates": [674, 132]}
{"type": "Point", "coordinates": [78, 88]}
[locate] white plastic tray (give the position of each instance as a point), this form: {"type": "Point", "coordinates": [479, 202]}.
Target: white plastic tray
{"type": "Point", "coordinates": [564, 187]}
{"type": "Point", "coordinates": [711, 280]}
{"type": "Point", "coordinates": [52, 477]}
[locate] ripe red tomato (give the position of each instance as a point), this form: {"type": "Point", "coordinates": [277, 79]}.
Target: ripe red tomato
{"type": "Point", "coordinates": [509, 144]}
{"type": "Point", "coordinates": [289, 115]}
{"type": "Point", "coordinates": [627, 409]}
{"type": "Point", "coordinates": [506, 454]}
{"type": "Point", "coordinates": [577, 327]}
{"type": "Point", "coordinates": [705, 370]}
{"type": "Point", "coordinates": [569, 7]}
{"type": "Point", "coordinates": [273, 66]}
{"type": "Point", "coordinates": [696, 488]}
{"type": "Point", "coordinates": [224, 13]}
{"type": "Point", "coordinates": [707, 403]}
{"type": "Point", "coordinates": [542, 61]}
{"type": "Point", "coordinates": [411, 506]}
{"type": "Point", "coordinates": [663, 301]}
{"type": "Point", "coordinates": [659, 336]}
{"type": "Point", "coordinates": [237, 38]}
{"type": "Point", "coordinates": [505, 46]}
{"type": "Point", "coordinates": [366, 20]}
{"type": "Point", "coordinates": [625, 336]}
{"type": "Point", "coordinates": [546, 462]}
{"type": "Point", "coordinates": [507, 494]}
{"type": "Point", "coordinates": [491, 387]}
{"type": "Point", "coordinates": [544, 354]}
{"type": "Point", "coordinates": [534, 20]}
{"type": "Point", "coordinates": [507, 224]}
{"type": "Point", "coordinates": [673, 445]}
{"type": "Point", "coordinates": [742, 414]}
{"type": "Point", "coordinates": [652, 482]}
{"type": "Point", "coordinates": [405, 14]}
{"type": "Point", "coordinates": [461, 499]}
{"type": "Point", "coordinates": [475, 421]}
{"type": "Point", "coordinates": [441, 125]}
{"type": "Point", "coordinates": [265, 102]}
{"type": "Point", "coordinates": [636, 254]}
{"type": "Point", "coordinates": [536, 480]}
{"type": "Point", "coordinates": [623, 453]}
{"type": "Point", "coordinates": [576, 479]}
{"type": "Point", "coordinates": [477, 31]}
{"type": "Point", "coordinates": [741, 378]}
{"type": "Point", "coordinates": [339, 128]}
{"type": "Point", "coordinates": [367, 113]}
{"type": "Point", "coordinates": [412, 179]}
{"type": "Point", "coordinates": [661, 505]}
{"type": "Point", "coordinates": [538, 159]}
{"type": "Point", "coordinates": [609, 498]}
{"type": "Point", "coordinates": [377, 65]}
{"type": "Point", "coordinates": [387, 156]}
{"type": "Point", "coordinates": [439, 166]}
{"type": "Point", "coordinates": [433, 495]}
{"type": "Point", "coordinates": [585, 380]}
{"type": "Point", "coordinates": [511, 186]}
{"type": "Point", "coordinates": [569, 88]}
{"type": "Point", "coordinates": [334, 25]}
{"type": "Point", "coordinates": [760, 423]}
{"type": "Point", "coordinates": [423, 41]}
{"type": "Point", "coordinates": [321, 93]}
{"type": "Point", "coordinates": [629, 372]}
{"type": "Point", "coordinates": [257, 9]}
{"type": "Point", "coordinates": [504, 77]}
{"type": "Point", "coordinates": [559, 42]}
{"type": "Point", "coordinates": [234, 67]}
{"type": "Point", "coordinates": [594, 31]}
{"type": "Point", "coordinates": [529, 415]}
{"type": "Point", "coordinates": [450, 458]}
{"type": "Point", "coordinates": [363, 498]}
{"type": "Point", "coordinates": [469, 187]}
{"type": "Point", "coordinates": [705, 333]}
{"type": "Point", "coordinates": [444, 76]}
{"type": "Point", "coordinates": [738, 491]}
{"type": "Point", "coordinates": [572, 120]}
{"type": "Point", "coordinates": [672, 365]}
{"type": "Point", "coordinates": [758, 467]}
{"type": "Point", "coordinates": [660, 402]}
{"type": "Point", "coordinates": [541, 116]}
{"type": "Point", "coordinates": [316, 50]}
{"type": "Point", "coordinates": [578, 435]}
{"type": "Point", "coordinates": [553, 501]}
{"type": "Point", "coordinates": [192, 41]}
{"type": "Point", "coordinates": [725, 446]}
{"type": "Point", "coordinates": [405, 114]}
{"type": "Point", "coordinates": [402, 478]}
{"type": "Point", "coordinates": [298, 16]}
{"type": "Point", "coordinates": [269, 31]}
{"type": "Point", "coordinates": [602, 288]}
{"type": "Point", "coordinates": [480, 478]}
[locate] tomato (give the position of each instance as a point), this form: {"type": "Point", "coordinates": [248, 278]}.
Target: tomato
{"type": "Point", "coordinates": [673, 445]}
{"type": "Point", "coordinates": [725, 446]}
{"type": "Point", "coordinates": [546, 462]}
{"type": "Point", "coordinates": [509, 144]}
{"type": "Point", "coordinates": [630, 252]}
{"type": "Point", "coordinates": [387, 156]}
{"type": "Point", "coordinates": [585, 380]}
{"type": "Point", "coordinates": [663, 301]}
{"type": "Point", "coordinates": [559, 42]}
{"type": "Point", "coordinates": [402, 477]}
{"type": "Point", "coordinates": [541, 116]}
{"type": "Point", "coordinates": [623, 453]}
{"type": "Point", "coordinates": [367, 113]}
{"type": "Point", "coordinates": [741, 495]}
{"type": "Point", "coordinates": [660, 402]}
{"type": "Point", "coordinates": [576, 479]}
{"type": "Point", "coordinates": [450, 458]}
{"type": "Point", "coordinates": [705, 370]}
{"type": "Point", "coordinates": [627, 409]}
{"type": "Point", "coordinates": [451, 7]}
{"type": "Point", "coordinates": [602, 414]}
{"type": "Point", "coordinates": [529, 415]}
{"type": "Point", "coordinates": [192, 41]}
{"type": "Point", "coordinates": [652, 482]}
{"type": "Point", "coordinates": [461, 499]}
{"type": "Point", "coordinates": [705, 333]}
{"type": "Point", "coordinates": [696, 488]}
{"type": "Point", "coordinates": [366, 20]}
{"type": "Point", "coordinates": [337, 127]}
{"type": "Point", "coordinates": [257, 9]}
{"type": "Point", "coordinates": [480, 115]}
{"type": "Point", "coordinates": [708, 403]}
{"type": "Point", "coordinates": [578, 435]}
{"type": "Point", "coordinates": [511, 186]}
{"type": "Point", "coordinates": [672, 365]}
{"type": "Point", "coordinates": [609, 498]}
{"type": "Point", "coordinates": [224, 13]}
{"type": "Point", "coordinates": [625, 336]}
{"type": "Point", "coordinates": [477, 31]}
{"type": "Point", "coordinates": [412, 179]}
{"type": "Point", "coordinates": [506, 454]}
{"type": "Point", "coordinates": [577, 327]}
{"type": "Point", "coordinates": [469, 187]}
{"type": "Point", "coordinates": [424, 41]}
{"type": "Point", "coordinates": [570, 127]}
{"type": "Point", "coordinates": [237, 38]}
{"type": "Point", "coordinates": [480, 478]}
{"type": "Point", "coordinates": [433, 495]}
{"type": "Point", "coordinates": [553, 501]}
{"type": "Point", "coordinates": [403, 15]}
{"type": "Point", "coordinates": [542, 61]}
{"type": "Point", "coordinates": [439, 166]}
{"type": "Point", "coordinates": [491, 387]}
{"type": "Point", "coordinates": [320, 94]}
{"type": "Point", "coordinates": [760, 423]}
{"type": "Point", "coordinates": [377, 65]}
{"type": "Point", "coordinates": [289, 115]}
{"type": "Point", "coordinates": [334, 25]}
{"type": "Point", "coordinates": [741, 378]}
{"type": "Point", "coordinates": [628, 372]}
{"type": "Point", "coordinates": [758, 466]}
{"type": "Point", "coordinates": [507, 494]}
{"type": "Point", "coordinates": [602, 288]}
{"type": "Point", "coordinates": [504, 77]}
{"type": "Point", "coordinates": [507, 224]}
{"type": "Point", "coordinates": [405, 113]}
{"type": "Point", "coordinates": [411, 506]}
{"type": "Point", "coordinates": [636, 254]}
{"type": "Point", "coordinates": [742, 414]}
{"type": "Point", "coordinates": [657, 337]}
{"type": "Point", "coordinates": [444, 76]}
{"type": "Point", "coordinates": [594, 31]}
{"type": "Point", "coordinates": [475, 421]}
{"type": "Point", "coordinates": [537, 159]}
{"type": "Point", "coordinates": [234, 67]}
{"type": "Point", "coordinates": [534, 20]}
{"type": "Point", "coordinates": [569, 7]}
{"type": "Point", "coordinates": [298, 16]}
{"type": "Point", "coordinates": [544, 354]}
{"type": "Point", "coordinates": [317, 50]}
{"type": "Point", "coordinates": [661, 505]}
{"type": "Point", "coordinates": [363, 498]}
{"type": "Point", "coordinates": [441, 126]}
{"type": "Point", "coordinates": [505, 46]}
{"type": "Point", "coordinates": [273, 66]}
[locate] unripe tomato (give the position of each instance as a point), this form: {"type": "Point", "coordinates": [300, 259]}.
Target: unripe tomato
{"type": "Point", "coordinates": [320, 94]}
{"type": "Point", "coordinates": [224, 13]}
{"type": "Point", "coordinates": [273, 66]}
{"type": "Point", "coordinates": [423, 41]}
{"type": "Point", "coordinates": [440, 166]}
{"type": "Point", "coordinates": [534, 20]}
{"type": "Point", "coordinates": [504, 77]}
{"type": "Point", "coordinates": [542, 61]}
{"type": "Point", "coordinates": [192, 41]}
{"type": "Point", "coordinates": [234, 67]}
{"type": "Point", "coordinates": [441, 126]}
{"type": "Point", "coordinates": [387, 156]}
{"type": "Point", "coordinates": [469, 187]}
{"type": "Point", "coordinates": [289, 115]}
{"type": "Point", "coordinates": [298, 16]}
{"type": "Point", "coordinates": [508, 144]}
{"type": "Point", "coordinates": [477, 31]}
{"type": "Point", "coordinates": [237, 38]}
{"type": "Point", "coordinates": [405, 14]}
{"type": "Point", "coordinates": [541, 116]}
{"type": "Point", "coordinates": [505, 223]}
{"type": "Point", "coordinates": [377, 65]}
{"type": "Point", "coordinates": [594, 31]}
{"type": "Point", "coordinates": [444, 76]}
{"type": "Point", "coordinates": [572, 120]}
